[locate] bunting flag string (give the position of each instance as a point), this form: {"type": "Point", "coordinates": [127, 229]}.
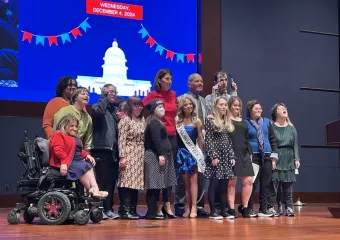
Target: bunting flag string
{"type": "Point", "coordinates": [55, 39]}
{"type": "Point", "coordinates": [189, 57]}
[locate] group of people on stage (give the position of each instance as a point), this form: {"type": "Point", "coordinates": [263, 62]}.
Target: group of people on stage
{"type": "Point", "coordinates": [183, 141]}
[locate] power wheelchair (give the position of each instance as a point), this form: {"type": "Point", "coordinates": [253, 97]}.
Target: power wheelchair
{"type": "Point", "coordinates": [49, 196]}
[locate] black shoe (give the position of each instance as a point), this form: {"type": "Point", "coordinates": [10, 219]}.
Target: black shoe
{"type": "Point", "coordinates": [245, 213]}
{"type": "Point", "coordinates": [227, 215]}
{"type": "Point", "coordinates": [133, 212]}
{"type": "Point", "coordinates": [252, 213]}
{"type": "Point", "coordinates": [166, 214]}
{"type": "Point", "coordinates": [124, 213]}
{"type": "Point", "coordinates": [240, 208]}
{"type": "Point", "coordinates": [232, 212]}
{"type": "Point", "coordinates": [201, 212]}
{"type": "Point", "coordinates": [215, 216]}
{"type": "Point", "coordinates": [265, 213]}
{"type": "Point", "coordinates": [155, 217]}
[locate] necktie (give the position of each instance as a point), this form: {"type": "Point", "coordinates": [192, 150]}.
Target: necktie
{"type": "Point", "coordinates": [199, 110]}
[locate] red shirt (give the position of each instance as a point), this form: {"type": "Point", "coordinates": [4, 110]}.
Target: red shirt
{"type": "Point", "coordinates": [62, 148]}
{"type": "Point", "coordinates": [169, 99]}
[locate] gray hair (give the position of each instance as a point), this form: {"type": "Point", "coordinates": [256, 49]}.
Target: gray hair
{"type": "Point", "coordinates": [77, 92]}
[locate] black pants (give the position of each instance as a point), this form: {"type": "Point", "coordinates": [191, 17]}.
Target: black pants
{"type": "Point", "coordinates": [174, 148]}
{"type": "Point", "coordinates": [152, 196]}
{"type": "Point", "coordinates": [287, 193]}
{"type": "Point", "coordinates": [264, 178]}
{"type": "Point", "coordinates": [212, 191]}
{"type": "Point", "coordinates": [106, 170]}
{"type": "Point", "coordinates": [217, 195]}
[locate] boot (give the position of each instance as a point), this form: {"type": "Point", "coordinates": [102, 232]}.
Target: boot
{"type": "Point", "coordinates": [125, 203]}
{"type": "Point", "coordinates": [134, 200]}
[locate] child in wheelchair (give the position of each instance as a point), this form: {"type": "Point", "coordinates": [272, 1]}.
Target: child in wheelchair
{"type": "Point", "coordinates": [67, 155]}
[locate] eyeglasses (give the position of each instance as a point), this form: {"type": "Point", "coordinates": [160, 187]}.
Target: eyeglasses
{"type": "Point", "coordinates": [113, 92]}
{"type": "Point", "coordinates": [138, 106]}
{"type": "Point", "coordinates": [72, 85]}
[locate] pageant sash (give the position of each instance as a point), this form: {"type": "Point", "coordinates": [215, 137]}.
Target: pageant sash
{"type": "Point", "coordinates": [194, 150]}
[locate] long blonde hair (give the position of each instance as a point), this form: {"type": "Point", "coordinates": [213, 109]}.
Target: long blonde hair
{"type": "Point", "coordinates": [180, 112]}
{"type": "Point", "coordinates": [223, 122]}
{"type": "Point", "coordinates": [64, 122]}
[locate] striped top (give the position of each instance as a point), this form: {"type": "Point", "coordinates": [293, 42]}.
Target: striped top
{"type": "Point", "coordinates": [287, 138]}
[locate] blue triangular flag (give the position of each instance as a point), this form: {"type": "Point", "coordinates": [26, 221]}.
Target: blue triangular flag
{"type": "Point", "coordinates": [65, 37]}
{"type": "Point", "coordinates": [180, 57]}
{"type": "Point", "coordinates": [39, 39]}
{"type": "Point", "coordinates": [159, 49]}
{"type": "Point", "coordinates": [84, 25]}
{"type": "Point", "coordinates": [143, 32]}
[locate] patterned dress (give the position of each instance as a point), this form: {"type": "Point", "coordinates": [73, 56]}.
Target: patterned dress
{"type": "Point", "coordinates": [131, 146]}
{"type": "Point", "coordinates": [157, 144]}
{"type": "Point", "coordinates": [218, 146]}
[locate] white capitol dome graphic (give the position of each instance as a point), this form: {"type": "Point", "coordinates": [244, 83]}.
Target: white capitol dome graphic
{"type": "Point", "coordinates": [115, 72]}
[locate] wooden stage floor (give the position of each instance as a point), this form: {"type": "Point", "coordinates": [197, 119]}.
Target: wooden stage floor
{"type": "Point", "coordinates": [311, 222]}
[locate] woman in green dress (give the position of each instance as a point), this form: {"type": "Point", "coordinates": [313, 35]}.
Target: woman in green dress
{"type": "Point", "coordinates": [284, 175]}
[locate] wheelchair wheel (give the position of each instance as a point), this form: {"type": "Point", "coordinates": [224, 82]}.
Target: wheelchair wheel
{"type": "Point", "coordinates": [81, 217]}
{"type": "Point", "coordinates": [96, 215]}
{"type": "Point", "coordinates": [28, 218]}
{"type": "Point", "coordinates": [54, 208]}
{"type": "Point", "coordinates": [13, 217]}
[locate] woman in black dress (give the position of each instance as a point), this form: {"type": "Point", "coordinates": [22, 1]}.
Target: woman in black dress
{"type": "Point", "coordinates": [242, 149]}
{"type": "Point", "coordinates": [159, 169]}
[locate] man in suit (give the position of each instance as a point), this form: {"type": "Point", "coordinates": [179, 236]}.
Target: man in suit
{"type": "Point", "coordinates": [195, 84]}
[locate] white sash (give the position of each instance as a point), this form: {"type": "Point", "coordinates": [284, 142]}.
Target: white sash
{"type": "Point", "coordinates": [192, 148]}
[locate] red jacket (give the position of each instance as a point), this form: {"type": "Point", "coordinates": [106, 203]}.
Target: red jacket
{"type": "Point", "coordinates": [169, 99]}
{"type": "Point", "coordinates": [62, 148]}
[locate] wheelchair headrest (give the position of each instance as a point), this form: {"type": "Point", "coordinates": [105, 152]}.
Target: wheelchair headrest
{"type": "Point", "coordinates": [42, 147]}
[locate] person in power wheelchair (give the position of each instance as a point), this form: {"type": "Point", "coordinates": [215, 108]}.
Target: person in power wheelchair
{"type": "Point", "coordinates": [50, 193]}
{"type": "Point", "coordinates": [67, 154]}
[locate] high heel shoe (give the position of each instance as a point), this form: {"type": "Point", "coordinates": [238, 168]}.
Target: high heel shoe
{"type": "Point", "coordinates": [186, 214]}
{"type": "Point", "coordinates": [193, 213]}
{"type": "Point", "coordinates": [166, 214]}
{"type": "Point", "coordinates": [103, 194]}
{"type": "Point", "coordinates": [94, 194]}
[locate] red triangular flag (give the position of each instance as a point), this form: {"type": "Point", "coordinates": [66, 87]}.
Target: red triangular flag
{"type": "Point", "coordinates": [27, 36]}
{"type": "Point", "coordinates": [190, 57]}
{"type": "Point", "coordinates": [75, 32]}
{"type": "Point", "coordinates": [170, 54]}
{"type": "Point", "coordinates": [151, 41]}
{"type": "Point", "coordinates": [52, 39]}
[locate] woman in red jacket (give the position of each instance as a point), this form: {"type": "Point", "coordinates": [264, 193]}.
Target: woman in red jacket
{"type": "Point", "coordinates": [67, 154]}
{"type": "Point", "coordinates": [162, 84]}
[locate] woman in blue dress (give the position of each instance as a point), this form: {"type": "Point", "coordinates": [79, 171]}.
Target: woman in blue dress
{"type": "Point", "coordinates": [190, 158]}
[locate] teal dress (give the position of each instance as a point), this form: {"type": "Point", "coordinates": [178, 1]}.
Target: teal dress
{"type": "Point", "coordinates": [288, 151]}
